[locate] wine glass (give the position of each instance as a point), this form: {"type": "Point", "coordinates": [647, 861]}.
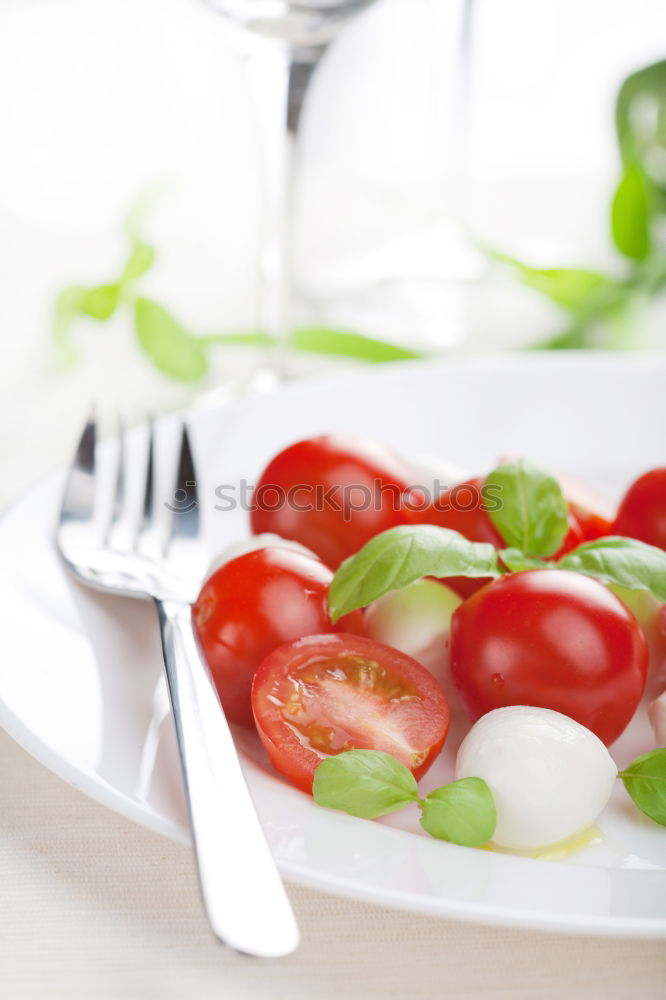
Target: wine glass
{"type": "Point", "coordinates": [283, 42]}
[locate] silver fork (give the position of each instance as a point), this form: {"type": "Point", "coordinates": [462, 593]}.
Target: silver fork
{"type": "Point", "coordinates": [243, 895]}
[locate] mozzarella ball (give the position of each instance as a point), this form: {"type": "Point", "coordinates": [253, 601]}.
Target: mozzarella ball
{"type": "Point", "coordinates": [550, 777]}
{"type": "Point", "coordinates": [267, 540]}
{"type": "Point", "coordinates": [416, 620]}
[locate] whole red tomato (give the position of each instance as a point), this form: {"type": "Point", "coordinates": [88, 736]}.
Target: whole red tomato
{"type": "Point", "coordinates": [642, 513]}
{"type": "Point", "coordinates": [328, 693]}
{"type": "Point", "coordinates": [552, 639]}
{"type": "Point", "coordinates": [254, 603]}
{"type": "Point", "coordinates": [332, 494]}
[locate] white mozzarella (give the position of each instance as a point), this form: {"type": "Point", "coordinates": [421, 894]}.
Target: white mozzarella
{"type": "Point", "coordinates": [550, 777]}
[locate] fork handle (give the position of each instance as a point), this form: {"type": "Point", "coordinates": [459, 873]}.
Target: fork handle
{"type": "Point", "coordinates": [242, 891]}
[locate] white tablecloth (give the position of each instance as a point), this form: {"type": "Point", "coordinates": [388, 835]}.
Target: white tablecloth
{"type": "Point", "coordinates": [96, 908]}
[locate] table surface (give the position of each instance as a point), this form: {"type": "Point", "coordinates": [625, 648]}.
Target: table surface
{"type": "Point", "coordinates": [96, 907]}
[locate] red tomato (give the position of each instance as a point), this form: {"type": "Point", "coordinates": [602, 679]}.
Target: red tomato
{"type": "Point", "coordinates": [592, 523]}
{"type": "Point", "coordinates": [253, 604]}
{"type": "Point", "coordinates": [642, 513]}
{"type": "Point", "coordinates": [462, 508]}
{"type": "Point", "coordinates": [552, 639]}
{"type": "Point", "coordinates": [327, 693]}
{"type": "Point", "coordinates": [331, 494]}
{"type": "Point", "coordinates": [573, 538]}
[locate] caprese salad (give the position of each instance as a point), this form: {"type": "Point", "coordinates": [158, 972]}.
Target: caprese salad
{"type": "Point", "coordinates": [369, 605]}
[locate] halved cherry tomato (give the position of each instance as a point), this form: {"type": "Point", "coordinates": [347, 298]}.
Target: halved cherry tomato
{"type": "Point", "coordinates": [552, 639]}
{"type": "Point", "coordinates": [642, 513]}
{"type": "Point", "coordinates": [324, 694]}
{"type": "Point", "coordinates": [332, 494]}
{"type": "Point", "coordinates": [254, 603]}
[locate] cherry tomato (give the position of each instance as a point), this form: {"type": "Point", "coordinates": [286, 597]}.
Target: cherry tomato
{"type": "Point", "coordinates": [254, 603]}
{"type": "Point", "coordinates": [573, 538]}
{"type": "Point", "coordinates": [461, 508]}
{"type": "Point", "coordinates": [592, 523]}
{"type": "Point", "coordinates": [642, 513]}
{"type": "Point", "coordinates": [331, 494]}
{"type": "Point", "coordinates": [552, 639]}
{"type": "Point", "coordinates": [327, 693]}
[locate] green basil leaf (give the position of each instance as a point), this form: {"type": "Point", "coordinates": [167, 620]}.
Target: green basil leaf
{"type": "Point", "coordinates": [100, 302]}
{"type": "Point", "coordinates": [319, 340]}
{"type": "Point", "coordinates": [533, 515]}
{"type": "Point", "coordinates": [67, 307]}
{"type": "Point", "coordinates": [645, 780]}
{"type": "Point", "coordinates": [640, 115]}
{"type": "Point", "coordinates": [168, 345]}
{"type": "Point", "coordinates": [402, 555]}
{"type": "Point", "coordinates": [140, 260]}
{"type": "Point", "coordinates": [630, 214]}
{"type": "Point", "coordinates": [365, 783]}
{"type": "Point", "coordinates": [569, 287]}
{"type": "Point", "coordinates": [624, 562]}
{"type": "Point", "coordinates": [462, 812]}
{"type": "Point", "coordinates": [517, 561]}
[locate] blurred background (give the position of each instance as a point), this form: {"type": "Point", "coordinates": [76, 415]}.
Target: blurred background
{"type": "Point", "coordinates": [467, 181]}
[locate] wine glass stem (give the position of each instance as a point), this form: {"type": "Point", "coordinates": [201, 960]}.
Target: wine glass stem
{"type": "Point", "coordinates": [279, 76]}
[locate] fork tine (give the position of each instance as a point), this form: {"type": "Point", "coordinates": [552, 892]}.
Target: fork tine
{"type": "Point", "coordinates": [149, 538]}
{"type": "Point", "coordinates": [148, 508]}
{"type": "Point", "coordinates": [185, 520]}
{"type": "Point", "coordinates": [118, 502]}
{"type": "Point", "coordinates": [78, 501]}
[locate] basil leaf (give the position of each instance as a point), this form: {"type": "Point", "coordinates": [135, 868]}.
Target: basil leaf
{"type": "Point", "coordinates": [642, 136]}
{"type": "Point", "coordinates": [168, 345]}
{"type": "Point", "coordinates": [569, 287]}
{"type": "Point", "coordinates": [319, 340]}
{"type": "Point", "coordinates": [533, 515]}
{"type": "Point", "coordinates": [67, 308]}
{"type": "Point", "coordinates": [365, 783]}
{"type": "Point", "coordinates": [462, 812]}
{"type": "Point", "coordinates": [625, 562]}
{"type": "Point", "coordinates": [100, 302]}
{"type": "Point", "coordinates": [645, 780]}
{"type": "Point", "coordinates": [517, 561]}
{"type": "Point", "coordinates": [402, 555]}
{"type": "Point", "coordinates": [630, 214]}
{"type": "Point", "coordinates": [140, 260]}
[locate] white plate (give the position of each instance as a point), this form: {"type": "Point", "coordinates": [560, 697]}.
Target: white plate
{"type": "Point", "coordinates": [81, 677]}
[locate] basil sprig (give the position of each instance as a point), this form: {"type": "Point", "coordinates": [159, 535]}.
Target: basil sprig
{"type": "Point", "coordinates": [603, 310]}
{"type": "Point", "coordinates": [370, 783]}
{"type": "Point", "coordinates": [645, 780]}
